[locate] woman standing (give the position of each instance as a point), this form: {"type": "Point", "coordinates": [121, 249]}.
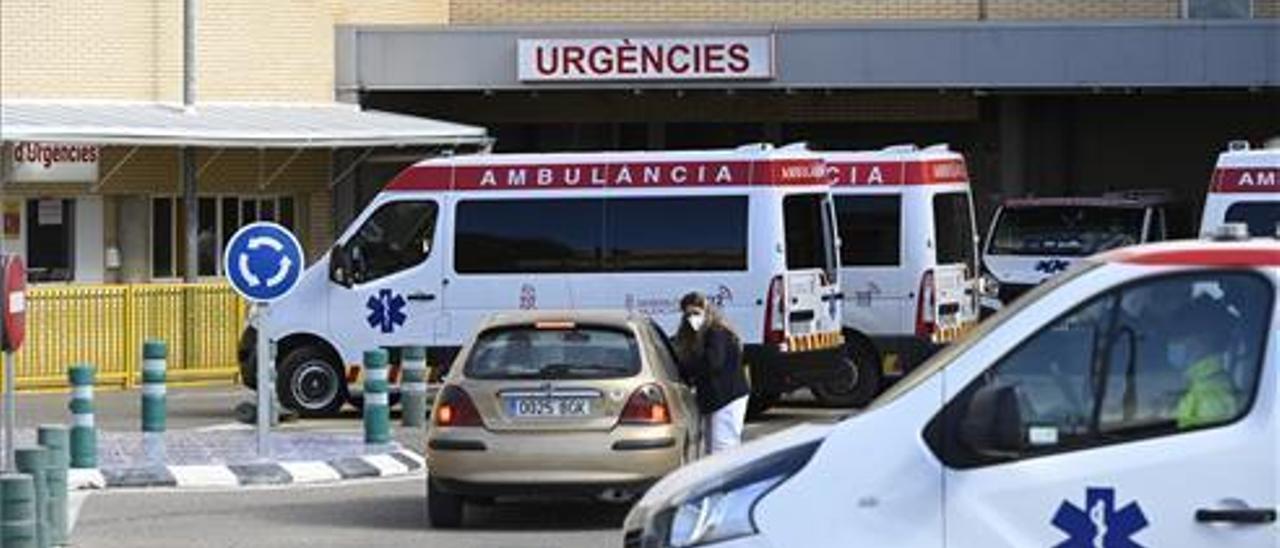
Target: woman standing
{"type": "Point", "coordinates": [710, 355]}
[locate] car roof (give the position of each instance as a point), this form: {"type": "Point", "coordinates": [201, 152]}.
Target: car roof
{"type": "Point", "coordinates": [1256, 252]}
{"type": "Point", "coordinates": [609, 318]}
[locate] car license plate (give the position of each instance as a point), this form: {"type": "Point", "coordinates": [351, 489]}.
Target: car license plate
{"type": "Point", "coordinates": [548, 407]}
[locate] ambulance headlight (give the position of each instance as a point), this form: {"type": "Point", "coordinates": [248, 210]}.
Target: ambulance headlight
{"type": "Point", "coordinates": [722, 509]}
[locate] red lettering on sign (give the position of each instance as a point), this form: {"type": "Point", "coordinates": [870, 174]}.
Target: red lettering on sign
{"type": "Point", "coordinates": [573, 60]}
{"type": "Point", "coordinates": [738, 60]}
{"type": "Point", "coordinates": [683, 65]}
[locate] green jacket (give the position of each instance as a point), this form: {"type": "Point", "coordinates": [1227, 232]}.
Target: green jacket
{"type": "Point", "coordinates": [1210, 397]}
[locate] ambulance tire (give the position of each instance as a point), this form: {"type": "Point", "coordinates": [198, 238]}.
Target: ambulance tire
{"type": "Point", "coordinates": [311, 382]}
{"type": "Point", "coordinates": [864, 364]}
{"type": "Point", "coordinates": [761, 397]}
{"type": "Point", "coordinates": [444, 510]}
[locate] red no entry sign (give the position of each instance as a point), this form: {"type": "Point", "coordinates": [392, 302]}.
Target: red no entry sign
{"type": "Point", "coordinates": [13, 302]}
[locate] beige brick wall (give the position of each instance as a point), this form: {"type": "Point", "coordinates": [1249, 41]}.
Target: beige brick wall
{"type": "Point", "coordinates": [1266, 9]}
{"type": "Point", "coordinates": [540, 11]}
{"type": "Point", "coordinates": [1084, 9]}
{"type": "Point", "coordinates": [273, 50]}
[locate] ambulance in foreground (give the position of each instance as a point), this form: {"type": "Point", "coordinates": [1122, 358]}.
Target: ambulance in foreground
{"type": "Point", "coordinates": [1245, 189]}
{"type": "Point", "coordinates": [908, 269]}
{"type": "Point", "coordinates": [1131, 401]}
{"type": "Point", "coordinates": [452, 240]}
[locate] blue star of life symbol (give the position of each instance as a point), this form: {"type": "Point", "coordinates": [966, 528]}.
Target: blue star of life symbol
{"type": "Point", "coordinates": [386, 311]}
{"type": "Point", "coordinates": [1099, 524]}
{"type": "Point", "coordinates": [1050, 266]}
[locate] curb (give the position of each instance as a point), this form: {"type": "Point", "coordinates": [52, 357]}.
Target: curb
{"type": "Point", "coordinates": [401, 462]}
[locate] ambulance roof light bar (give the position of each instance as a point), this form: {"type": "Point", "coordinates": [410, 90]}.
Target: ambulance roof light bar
{"type": "Point", "coordinates": [1231, 232]}
{"type": "Point", "coordinates": [900, 149]}
{"type": "Point", "coordinates": [938, 147]}
{"type": "Point", "coordinates": [1238, 145]}
{"type": "Point", "coordinates": [798, 145]}
{"type": "Point", "coordinates": [754, 147]}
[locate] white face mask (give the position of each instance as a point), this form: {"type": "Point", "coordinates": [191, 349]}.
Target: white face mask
{"type": "Point", "coordinates": [696, 321]}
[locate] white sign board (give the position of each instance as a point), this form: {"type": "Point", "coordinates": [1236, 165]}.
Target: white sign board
{"type": "Point", "coordinates": [646, 59]}
{"type": "Point", "coordinates": [32, 162]}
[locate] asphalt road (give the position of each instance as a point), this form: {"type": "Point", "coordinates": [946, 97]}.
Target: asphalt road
{"type": "Point", "coordinates": [388, 512]}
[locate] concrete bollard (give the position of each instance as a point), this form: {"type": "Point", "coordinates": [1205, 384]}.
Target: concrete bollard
{"type": "Point", "coordinates": [84, 435]}
{"type": "Point", "coordinates": [153, 400]}
{"type": "Point", "coordinates": [377, 414]}
{"type": "Point", "coordinates": [33, 461]}
{"type": "Point", "coordinates": [55, 439]}
{"type": "Point", "coordinates": [413, 385]}
{"type": "Point", "coordinates": [17, 511]}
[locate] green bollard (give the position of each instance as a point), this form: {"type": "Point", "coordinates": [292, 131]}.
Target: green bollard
{"type": "Point", "coordinates": [377, 415]}
{"type": "Point", "coordinates": [33, 461]}
{"type": "Point", "coordinates": [84, 436]}
{"type": "Point", "coordinates": [413, 385]}
{"type": "Point", "coordinates": [153, 391]}
{"type": "Point", "coordinates": [56, 440]}
{"type": "Point", "coordinates": [17, 511]}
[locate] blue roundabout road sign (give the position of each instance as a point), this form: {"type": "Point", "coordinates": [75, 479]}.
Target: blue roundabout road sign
{"type": "Point", "coordinates": [263, 261]}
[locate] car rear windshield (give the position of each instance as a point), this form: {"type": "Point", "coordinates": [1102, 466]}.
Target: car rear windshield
{"type": "Point", "coordinates": [808, 225]}
{"type": "Point", "coordinates": [1065, 230]}
{"type": "Point", "coordinates": [953, 229]}
{"type": "Point", "coordinates": [557, 352]}
{"type": "Point", "coordinates": [1263, 218]}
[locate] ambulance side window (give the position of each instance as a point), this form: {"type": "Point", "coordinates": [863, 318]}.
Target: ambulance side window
{"type": "Point", "coordinates": [397, 236]}
{"type": "Point", "coordinates": [1156, 357]}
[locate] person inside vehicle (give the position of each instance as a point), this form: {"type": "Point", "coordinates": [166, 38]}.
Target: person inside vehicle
{"type": "Point", "coordinates": [710, 358]}
{"type": "Point", "coordinates": [1196, 348]}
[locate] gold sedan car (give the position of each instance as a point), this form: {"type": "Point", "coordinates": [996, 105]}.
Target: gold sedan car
{"type": "Point", "coordinates": [558, 403]}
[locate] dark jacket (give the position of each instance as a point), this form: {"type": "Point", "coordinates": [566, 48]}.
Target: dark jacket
{"type": "Point", "coordinates": [717, 372]}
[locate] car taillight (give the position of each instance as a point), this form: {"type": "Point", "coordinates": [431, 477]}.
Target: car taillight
{"type": "Point", "coordinates": [647, 405]}
{"type": "Point", "coordinates": [455, 408]}
{"type": "Point", "coordinates": [774, 330]}
{"type": "Point", "coordinates": [926, 306]}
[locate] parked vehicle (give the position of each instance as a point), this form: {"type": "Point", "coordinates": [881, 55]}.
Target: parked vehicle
{"type": "Point", "coordinates": [908, 266]}
{"type": "Point", "coordinates": [452, 240]}
{"type": "Point", "coordinates": [1031, 239]}
{"type": "Point", "coordinates": [1245, 189]}
{"type": "Point", "coordinates": [569, 403]}
{"type": "Point", "coordinates": [1134, 401]}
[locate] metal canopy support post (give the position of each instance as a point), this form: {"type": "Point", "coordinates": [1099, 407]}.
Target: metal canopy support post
{"type": "Point", "coordinates": [191, 224]}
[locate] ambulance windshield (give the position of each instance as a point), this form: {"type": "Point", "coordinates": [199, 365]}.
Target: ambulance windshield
{"type": "Point", "coordinates": [1074, 231]}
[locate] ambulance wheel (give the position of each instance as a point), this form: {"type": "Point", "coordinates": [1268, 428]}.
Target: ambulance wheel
{"type": "Point", "coordinates": [444, 510]}
{"type": "Point", "coordinates": [311, 382]}
{"type": "Point", "coordinates": [760, 398]}
{"type": "Point", "coordinates": [862, 381]}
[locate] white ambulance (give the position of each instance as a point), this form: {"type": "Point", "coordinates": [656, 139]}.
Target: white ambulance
{"type": "Point", "coordinates": [908, 269]}
{"type": "Point", "coordinates": [1132, 401]}
{"type": "Point", "coordinates": [1245, 189]}
{"type": "Point", "coordinates": [453, 240]}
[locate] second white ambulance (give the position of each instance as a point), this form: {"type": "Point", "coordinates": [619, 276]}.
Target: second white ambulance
{"type": "Point", "coordinates": [908, 269]}
{"type": "Point", "coordinates": [453, 240]}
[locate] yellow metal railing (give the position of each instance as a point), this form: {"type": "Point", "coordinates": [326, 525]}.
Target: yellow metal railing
{"type": "Point", "coordinates": [105, 325]}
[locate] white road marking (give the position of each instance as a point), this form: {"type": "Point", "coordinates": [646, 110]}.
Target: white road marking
{"type": "Point", "coordinates": [85, 478]}
{"type": "Point", "coordinates": [225, 427]}
{"type": "Point", "coordinates": [204, 475]}
{"type": "Point", "coordinates": [386, 465]}
{"type": "Point", "coordinates": [75, 501]}
{"type": "Point", "coordinates": [310, 472]}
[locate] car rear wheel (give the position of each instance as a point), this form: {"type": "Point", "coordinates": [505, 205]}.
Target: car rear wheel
{"type": "Point", "coordinates": [444, 510]}
{"type": "Point", "coordinates": [861, 381]}
{"type": "Point", "coordinates": [311, 382]}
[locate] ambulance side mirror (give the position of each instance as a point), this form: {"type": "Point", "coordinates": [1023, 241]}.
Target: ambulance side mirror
{"type": "Point", "coordinates": [992, 422]}
{"type": "Point", "coordinates": [340, 266]}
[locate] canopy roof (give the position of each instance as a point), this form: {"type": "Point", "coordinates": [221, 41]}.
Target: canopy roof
{"type": "Point", "coordinates": [250, 125]}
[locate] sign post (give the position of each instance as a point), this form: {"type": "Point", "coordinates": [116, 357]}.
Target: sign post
{"type": "Point", "coordinates": [263, 262]}
{"type": "Point", "coordinates": [13, 320]}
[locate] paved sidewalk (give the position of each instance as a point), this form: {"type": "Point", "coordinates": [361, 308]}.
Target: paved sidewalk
{"type": "Point", "coordinates": [205, 446]}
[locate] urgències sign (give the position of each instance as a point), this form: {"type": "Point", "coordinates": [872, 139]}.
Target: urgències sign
{"type": "Point", "coordinates": [35, 162]}
{"type": "Point", "coordinates": [667, 58]}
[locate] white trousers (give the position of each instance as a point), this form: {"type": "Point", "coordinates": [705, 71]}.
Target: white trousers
{"type": "Point", "coordinates": [724, 426]}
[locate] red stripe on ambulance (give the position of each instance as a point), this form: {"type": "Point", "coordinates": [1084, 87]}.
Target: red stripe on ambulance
{"type": "Point", "coordinates": [1258, 179]}
{"type": "Point", "coordinates": [443, 176]}
{"type": "Point", "coordinates": [923, 172]}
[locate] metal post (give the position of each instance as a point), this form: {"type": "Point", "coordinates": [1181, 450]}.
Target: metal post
{"type": "Point", "coordinates": [266, 385]}
{"type": "Point", "coordinates": [153, 399]}
{"type": "Point", "coordinates": [10, 410]}
{"type": "Point", "coordinates": [55, 440]}
{"type": "Point", "coordinates": [84, 436]}
{"type": "Point", "coordinates": [190, 203]}
{"type": "Point", "coordinates": [33, 461]}
{"type": "Point", "coordinates": [17, 511]}
{"type": "Point", "coordinates": [377, 415]}
{"type": "Point", "coordinates": [413, 385]}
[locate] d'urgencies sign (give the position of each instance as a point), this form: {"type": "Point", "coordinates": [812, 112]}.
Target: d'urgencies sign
{"type": "Point", "coordinates": [621, 59]}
